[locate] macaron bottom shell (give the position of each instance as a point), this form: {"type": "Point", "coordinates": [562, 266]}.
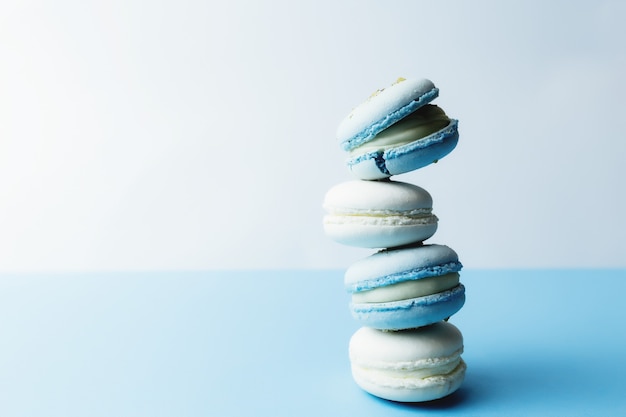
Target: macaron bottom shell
{"type": "Point", "coordinates": [406, 158]}
{"type": "Point", "coordinates": [410, 313]}
{"type": "Point", "coordinates": [369, 233]}
{"type": "Point", "coordinates": [413, 390]}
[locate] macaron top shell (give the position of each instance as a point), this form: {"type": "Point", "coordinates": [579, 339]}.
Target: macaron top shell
{"type": "Point", "coordinates": [384, 108]}
{"type": "Point", "coordinates": [378, 349]}
{"type": "Point", "coordinates": [392, 266]}
{"type": "Point", "coordinates": [363, 197]}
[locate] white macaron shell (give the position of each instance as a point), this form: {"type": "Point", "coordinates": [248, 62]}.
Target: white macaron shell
{"type": "Point", "coordinates": [378, 214]}
{"type": "Point", "coordinates": [356, 197]}
{"type": "Point", "coordinates": [410, 389]}
{"type": "Point", "coordinates": [380, 104]}
{"type": "Point", "coordinates": [374, 235]}
{"type": "Point", "coordinates": [413, 365]}
{"type": "Point", "coordinates": [375, 348]}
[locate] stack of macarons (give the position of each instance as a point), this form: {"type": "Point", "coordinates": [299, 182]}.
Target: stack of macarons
{"type": "Point", "coordinates": [403, 294]}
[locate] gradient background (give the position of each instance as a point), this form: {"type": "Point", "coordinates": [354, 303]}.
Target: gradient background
{"type": "Point", "coordinates": [187, 135]}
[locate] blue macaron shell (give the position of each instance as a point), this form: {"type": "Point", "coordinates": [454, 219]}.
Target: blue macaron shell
{"type": "Point", "coordinates": [411, 274]}
{"type": "Point", "coordinates": [406, 158]}
{"type": "Point", "coordinates": [392, 266]}
{"type": "Point", "coordinates": [411, 313]}
{"type": "Point", "coordinates": [375, 128]}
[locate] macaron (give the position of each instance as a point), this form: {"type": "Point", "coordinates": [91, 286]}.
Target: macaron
{"type": "Point", "coordinates": [396, 131]}
{"type": "Point", "coordinates": [378, 214]}
{"type": "Point", "coordinates": [411, 366]}
{"type": "Point", "coordinates": [405, 288]}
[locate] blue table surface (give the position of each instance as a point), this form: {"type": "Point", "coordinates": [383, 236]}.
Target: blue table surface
{"type": "Point", "coordinates": [252, 343]}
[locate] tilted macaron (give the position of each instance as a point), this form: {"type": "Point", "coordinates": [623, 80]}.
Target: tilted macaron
{"type": "Point", "coordinates": [414, 365]}
{"type": "Point", "coordinates": [397, 131]}
{"type": "Point", "coordinates": [405, 288]}
{"type": "Point", "coordinates": [378, 214]}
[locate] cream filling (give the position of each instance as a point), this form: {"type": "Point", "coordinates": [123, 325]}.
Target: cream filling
{"type": "Point", "coordinates": [419, 124]}
{"type": "Point", "coordinates": [422, 216]}
{"type": "Point", "coordinates": [338, 211]}
{"type": "Point", "coordinates": [407, 289]}
{"type": "Point", "coordinates": [399, 220]}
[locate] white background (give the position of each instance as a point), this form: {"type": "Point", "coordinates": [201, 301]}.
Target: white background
{"type": "Point", "coordinates": [144, 135]}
